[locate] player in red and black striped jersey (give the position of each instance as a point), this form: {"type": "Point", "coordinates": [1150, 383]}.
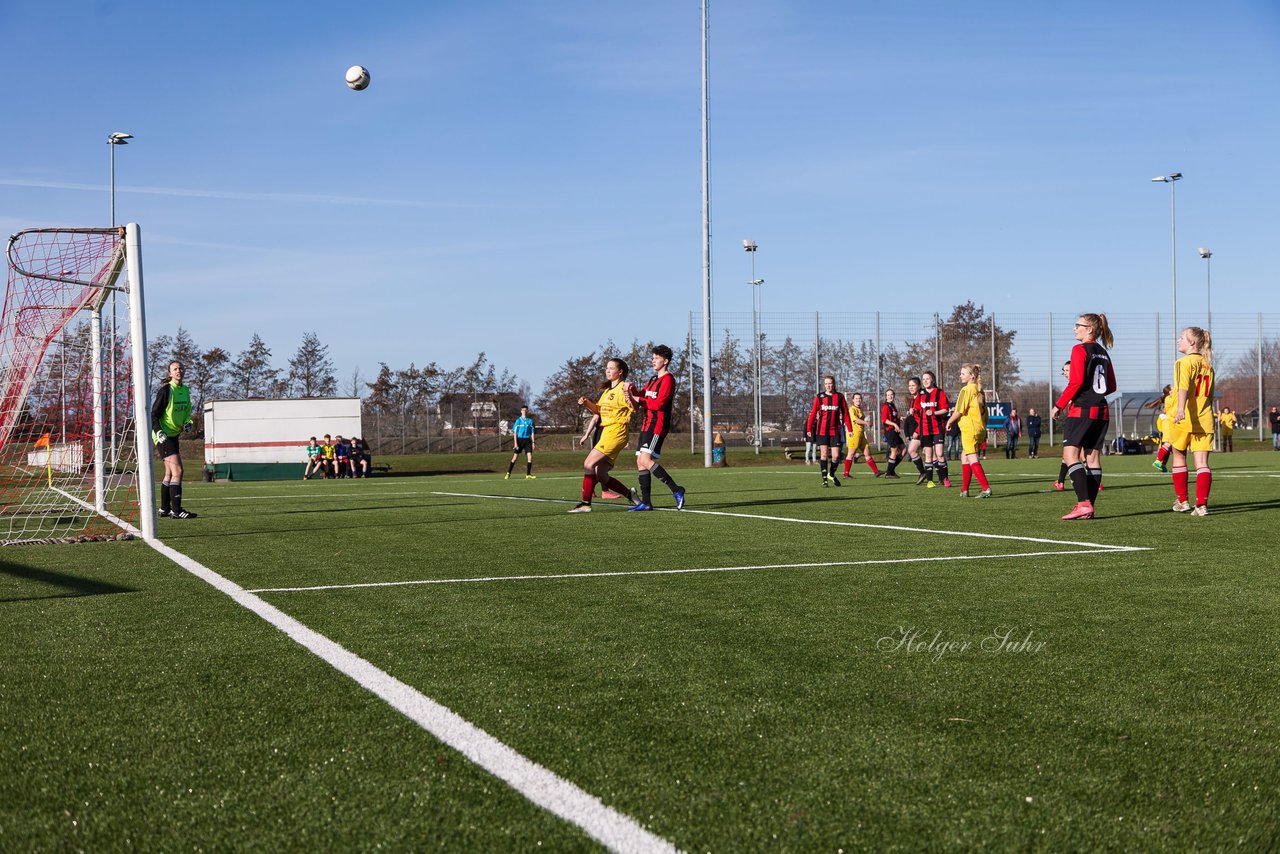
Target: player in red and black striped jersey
{"type": "Point", "coordinates": [656, 398]}
{"type": "Point", "coordinates": [1090, 379]}
{"type": "Point", "coordinates": [891, 430]}
{"type": "Point", "coordinates": [822, 427]}
{"type": "Point", "coordinates": [911, 428]}
{"type": "Point", "coordinates": [932, 409]}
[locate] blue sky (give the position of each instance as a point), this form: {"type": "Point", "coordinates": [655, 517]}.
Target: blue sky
{"type": "Point", "coordinates": [523, 178]}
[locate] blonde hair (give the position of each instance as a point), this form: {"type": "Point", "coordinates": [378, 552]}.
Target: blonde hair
{"type": "Point", "coordinates": [1101, 330]}
{"type": "Point", "coordinates": [1203, 343]}
{"type": "Point", "coordinates": [975, 374]}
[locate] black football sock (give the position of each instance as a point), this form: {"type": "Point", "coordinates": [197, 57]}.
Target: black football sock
{"type": "Point", "coordinates": [528, 468]}
{"type": "Point", "coordinates": [919, 463]}
{"type": "Point", "coordinates": [822, 465]}
{"type": "Point", "coordinates": [1062, 473]}
{"type": "Point", "coordinates": [943, 472]}
{"type": "Point", "coordinates": [893, 464]}
{"type": "Point", "coordinates": [175, 496]}
{"type": "Point", "coordinates": [646, 486]}
{"type": "Point", "coordinates": [1079, 481]}
{"type": "Point", "coordinates": [165, 504]}
{"type": "Point", "coordinates": [1095, 482]}
{"type": "Point", "coordinates": [661, 474]}
{"type": "Point", "coordinates": [511, 467]}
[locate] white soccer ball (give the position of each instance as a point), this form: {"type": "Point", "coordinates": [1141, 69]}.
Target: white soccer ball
{"type": "Point", "coordinates": [358, 77]}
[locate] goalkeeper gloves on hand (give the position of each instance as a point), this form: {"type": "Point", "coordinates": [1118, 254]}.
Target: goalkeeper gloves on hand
{"type": "Point", "coordinates": [158, 436]}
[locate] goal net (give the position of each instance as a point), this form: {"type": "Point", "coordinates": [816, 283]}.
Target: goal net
{"type": "Point", "coordinates": [72, 375]}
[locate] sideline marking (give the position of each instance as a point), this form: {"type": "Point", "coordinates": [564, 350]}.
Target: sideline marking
{"type": "Point", "coordinates": [543, 787]}
{"type": "Point", "coordinates": [679, 571]}
{"type": "Point", "coordinates": [1095, 546]}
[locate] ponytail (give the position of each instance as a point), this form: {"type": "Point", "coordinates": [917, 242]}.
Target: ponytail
{"type": "Point", "coordinates": [1203, 343]}
{"type": "Point", "coordinates": [1101, 330]}
{"type": "Point", "coordinates": [975, 374]}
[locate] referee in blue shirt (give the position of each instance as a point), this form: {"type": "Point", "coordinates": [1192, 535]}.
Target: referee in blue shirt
{"type": "Point", "coordinates": [523, 430]}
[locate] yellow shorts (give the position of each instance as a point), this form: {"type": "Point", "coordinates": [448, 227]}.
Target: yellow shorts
{"type": "Point", "coordinates": [612, 441]}
{"type": "Point", "coordinates": [857, 441]}
{"type": "Point", "coordinates": [1184, 440]}
{"type": "Point", "coordinates": [970, 442]}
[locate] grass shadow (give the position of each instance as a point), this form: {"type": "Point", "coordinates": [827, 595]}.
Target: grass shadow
{"type": "Point", "coordinates": [74, 585]}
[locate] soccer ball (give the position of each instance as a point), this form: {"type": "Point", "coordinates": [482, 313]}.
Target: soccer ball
{"type": "Point", "coordinates": [358, 77]}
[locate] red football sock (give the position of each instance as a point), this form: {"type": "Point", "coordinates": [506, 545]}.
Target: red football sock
{"type": "Point", "coordinates": [980, 475]}
{"type": "Point", "coordinates": [872, 464]}
{"type": "Point", "coordinates": [1204, 479]}
{"type": "Point", "coordinates": [588, 487]}
{"type": "Point", "coordinates": [848, 464]}
{"type": "Point", "coordinates": [1180, 482]}
{"type": "Point", "coordinates": [1162, 453]}
{"type": "Point", "coordinates": [966, 474]}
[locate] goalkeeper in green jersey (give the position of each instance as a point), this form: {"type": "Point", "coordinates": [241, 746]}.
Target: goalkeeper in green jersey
{"type": "Point", "coordinates": [170, 414]}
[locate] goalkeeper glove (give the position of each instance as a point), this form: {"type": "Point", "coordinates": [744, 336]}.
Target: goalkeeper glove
{"type": "Point", "coordinates": [158, 436]}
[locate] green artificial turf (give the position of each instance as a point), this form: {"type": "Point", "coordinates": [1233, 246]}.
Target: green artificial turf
{"type": "Point", "coordinates": [838, 686]}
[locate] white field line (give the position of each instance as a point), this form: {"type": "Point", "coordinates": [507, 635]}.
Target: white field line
{"type": "Point", "coordinates": [113, 519]}
{"type": "Point", "coordinates": [576, 575]}
{"type": "Point", "coordinates": [556, 795]}
{"type": "Point", "coordinates": [974, 534]}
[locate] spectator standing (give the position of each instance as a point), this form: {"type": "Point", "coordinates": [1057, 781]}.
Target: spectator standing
{"type": "Point", "coordinates": [1274, 415]}
{"type": "Point", "coordinates": [1012, 430]}
{"type": "Point", "coordinates": [1034, 426]}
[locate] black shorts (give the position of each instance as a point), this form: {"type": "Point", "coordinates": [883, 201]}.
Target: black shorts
{"type": "Point", "coordinates": [932, 439]}
{"type": "Point", "coordinates": [651, 444]}
{"type": "Point", "coordinates": [893, 439]}
{"type": "Point", "coordinates": [827, 441]}
{"type": "Point", "coordinates": [167, 447]}
{"type": "Point", "coordinates": [524, 445]}
{"type": "Point", "coordinates": [1087, 433]}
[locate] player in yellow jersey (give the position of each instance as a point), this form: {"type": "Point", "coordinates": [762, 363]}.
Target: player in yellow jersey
{"type": "Point", "coordinates": [970, 414]}
{"type": "Point", "coordinates": [1192, 427]}
{"type": "Point", "coordinates": [858, 436]}
{"type": "Point", "coordinates": [1168, 404]}
{"type": "Point", "coordinates": [1227, 419]}
{"type": "Point", "coordinates": [616, 403]}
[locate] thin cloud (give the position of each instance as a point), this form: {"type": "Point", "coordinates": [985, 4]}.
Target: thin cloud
{"type": "Point", "coordinates": [193, 193]}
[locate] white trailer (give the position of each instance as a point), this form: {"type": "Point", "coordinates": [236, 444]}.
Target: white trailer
{"type": "Point", "coordinates": [267, 439]}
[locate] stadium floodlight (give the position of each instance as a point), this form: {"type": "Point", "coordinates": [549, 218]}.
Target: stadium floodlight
{"type": "Point", "coordinates": [117, 138]}
{"type": "Point", "coordinates": [1171, 179]}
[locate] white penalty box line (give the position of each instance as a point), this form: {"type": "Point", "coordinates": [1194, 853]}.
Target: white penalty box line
{"type": "Point", "coordinates": [1079, 548]}
{"type": "Point", "coordinates": [538, 784]}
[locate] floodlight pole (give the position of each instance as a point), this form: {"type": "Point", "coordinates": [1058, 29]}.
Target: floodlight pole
{"type": "Point", "coordinates": [1208, 290]}
{"type": "Point", "coordinates": [706, 240]}
{"type": "Point", "coordinates": [750, 247]}
{"type": "Point", "coordinates": [117, 138]}
{"type": "Point", "coordinates": [1171, 179]}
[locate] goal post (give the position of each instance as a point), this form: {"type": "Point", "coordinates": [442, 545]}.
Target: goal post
{"type": "Point", "coordinates": [75, 445]}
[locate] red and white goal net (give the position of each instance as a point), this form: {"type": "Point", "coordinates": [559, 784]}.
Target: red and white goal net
{"type": "Point", "coordinates": [69, 448]}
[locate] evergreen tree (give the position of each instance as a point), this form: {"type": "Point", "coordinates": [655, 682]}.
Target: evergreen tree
{"type": "Point", "coordinates": [251, 374]}
{"type": "Point", "coordinates": [311, 369]}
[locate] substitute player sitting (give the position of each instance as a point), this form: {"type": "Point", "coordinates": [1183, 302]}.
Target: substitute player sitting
{"type": "Point", "coordinates": [614, 408]}
{"type": "Point", "coordinates": [858, 436]}
{"type": "Point", "coordinates": [657, 399]}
